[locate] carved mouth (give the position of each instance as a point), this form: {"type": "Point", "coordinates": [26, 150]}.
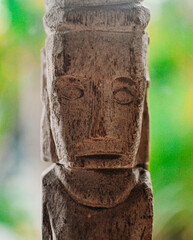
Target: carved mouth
{"type": "Point", "coordinates": [100, 154]}
{"type": "Point", "coordinates": [108, 148]}
{"type": "Point", "coordinates": [99, 157]}
{"type": "Point", "coordinates": [96, 161]}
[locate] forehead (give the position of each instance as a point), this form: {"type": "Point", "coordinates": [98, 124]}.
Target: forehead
{"type": "Point", "coordinates": [79, 81]}
{"type": "Point", "coordinates": [74, 3]}
{"type": "Point", "coordinates": [97, 55]}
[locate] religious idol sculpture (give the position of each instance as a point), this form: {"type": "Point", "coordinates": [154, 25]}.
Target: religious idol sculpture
{"type": "Point", "coordinates": [95, 124]}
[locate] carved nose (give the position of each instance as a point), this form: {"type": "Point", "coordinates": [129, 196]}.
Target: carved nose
{"type": "Point", "coordinates": [97, 128]}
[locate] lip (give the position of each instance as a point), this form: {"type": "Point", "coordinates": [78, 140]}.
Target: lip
{"type": "Point", "coordinates": [98, 161]}
{"type": "Point", "coordinates": [100, 157]}
{"type": "Point", "coordinates": [102, 161]}
{"type": "Point", "coordinates": [97, 148]}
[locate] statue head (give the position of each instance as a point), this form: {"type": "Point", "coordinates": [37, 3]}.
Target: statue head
{"type": "Point", "coordinates": [96, 106]}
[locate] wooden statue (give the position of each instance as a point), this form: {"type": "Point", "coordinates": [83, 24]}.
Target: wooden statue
{"type": "Point", "coordinates": [95, 125]}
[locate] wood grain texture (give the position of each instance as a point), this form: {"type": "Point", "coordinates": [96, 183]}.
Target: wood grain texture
{"type": "Point", "coordinates": [95, 123]}
{"type": "Point", "coordinates": [48, 152]}
{"type": "Point", "coordinates": [127, 17]}
{"type": "Point", "coordinates": [82, 3]}
{"type": "Point", "coordinates": [65, 218]}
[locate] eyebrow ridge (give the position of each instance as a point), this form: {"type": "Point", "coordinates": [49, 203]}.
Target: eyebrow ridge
{"type": "Point", "coordinates": [125, 80]}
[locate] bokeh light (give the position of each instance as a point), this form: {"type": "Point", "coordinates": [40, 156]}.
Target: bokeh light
{"type": "Point", "coordinates": [171, 104]}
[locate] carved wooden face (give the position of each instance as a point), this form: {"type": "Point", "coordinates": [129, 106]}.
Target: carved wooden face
{"type": "Point", "coordinates": [96, 117]}
{"type": "Point", "coordinates": [100, 121]}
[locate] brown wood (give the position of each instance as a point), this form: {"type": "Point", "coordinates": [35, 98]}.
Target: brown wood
{"type": "Point", "coordinates": [95, 124]}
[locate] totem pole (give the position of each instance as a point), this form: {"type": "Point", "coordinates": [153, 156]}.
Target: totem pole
{"type": "Point", "coordinates": [95, 124]}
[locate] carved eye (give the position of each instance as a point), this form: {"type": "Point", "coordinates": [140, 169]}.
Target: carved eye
{"type": "Point", "coordinates": [72, 92]}
{"type": "Point", "coordinates": [123, 96]}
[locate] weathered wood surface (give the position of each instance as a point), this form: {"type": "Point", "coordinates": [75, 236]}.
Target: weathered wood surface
{"type": "Point", "coordinates": [95, 124]}
{"type": "Point", "coordinates": [67, 217]}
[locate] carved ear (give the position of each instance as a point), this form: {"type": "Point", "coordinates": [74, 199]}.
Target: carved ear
{"type": "Point", "coordinates": [48, 149]}
{"type": "Point", "coordinates": [144, 147]}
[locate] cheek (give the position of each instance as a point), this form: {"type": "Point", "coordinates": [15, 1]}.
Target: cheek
{"type": "Point", "coordinates": [120, 115]}
{"type": "Point", "coordinates": [74, 119]}
{"type": "Point", "coordinates": [135, 124]}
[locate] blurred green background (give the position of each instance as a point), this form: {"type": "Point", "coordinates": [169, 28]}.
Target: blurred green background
{"type": "Point", "coordinates": [171, 104]}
